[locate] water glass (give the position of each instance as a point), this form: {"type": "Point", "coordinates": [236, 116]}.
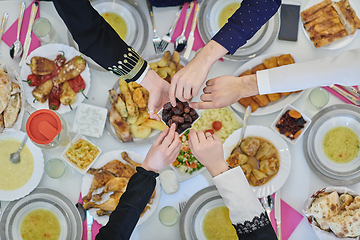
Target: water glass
{"type": "Point", "coordinates": [44, 31]}
{"type": "Point", "coordinates": [55, 168]}
{"type": "Point", "coordinates": [319, 97]}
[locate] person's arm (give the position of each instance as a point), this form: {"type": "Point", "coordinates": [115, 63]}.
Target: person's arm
{"type": "Point", "coordinates": [167, 3]}
{"type": "Point", "coordinates": [343, 69]}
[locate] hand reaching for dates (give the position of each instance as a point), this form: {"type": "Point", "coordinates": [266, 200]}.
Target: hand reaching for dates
{"type": "Point", "coordinates": [182, 115]}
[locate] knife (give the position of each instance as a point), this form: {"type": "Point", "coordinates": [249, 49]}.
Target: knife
{"type": "Point", "coordinates": [2, 26]}
{"type": "Point", "coordinates": [191, 38]}
{"type": "Point", "coordinates": [346, 95]}
{"type": "Point", "coordinates": [89, 221]}
{"type": "Point", "coordinates": [352, 90]}
{"type": "Point", "coordinates": [34, 9]}
{"type": "Point", "coordinates": [278, 214]}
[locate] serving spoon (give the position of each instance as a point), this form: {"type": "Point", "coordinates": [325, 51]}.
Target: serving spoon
{"type": "Point", "coordinates": [246, 118]}
{"type": "Point", "coordinates": [15, 157]}
{"type": "Point", "coordinates": [181, 41]}
{"type": "Point", "coordinates": [268, 204]}
{"type": "Point", "coordinates": [16, 48]}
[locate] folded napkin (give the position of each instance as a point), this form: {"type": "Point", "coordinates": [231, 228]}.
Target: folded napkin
{"type": "Point", "coordinates": [198, 42]}
{"type": "Point", "coordinates": [95, 227]}
{"type": "Point", "coordinates": [9, 36]}
{"type": "Point", "coordinates": [335, 93]}
{"type": "Point", "coordinates": [290, 219]}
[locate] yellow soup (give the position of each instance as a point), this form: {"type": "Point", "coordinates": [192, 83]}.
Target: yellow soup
{"type": "Point", "coordinates": [40, 224]}
{"type": "Point", "coordinates": [227, 12]}
{"type": "Point", "coordinates": [217, 225]}
{"type": "Point", "coordinates": [341, 144]}
{"type": "Point", "coordinates": [117, 23]}
{"type": "Point", "coordinates": [14, 176]}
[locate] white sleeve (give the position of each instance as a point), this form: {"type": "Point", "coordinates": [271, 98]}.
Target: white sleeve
{"type": "Point", "coordinates": [238, 196]}
{"type": "Point", "coordinates": [343, 69]}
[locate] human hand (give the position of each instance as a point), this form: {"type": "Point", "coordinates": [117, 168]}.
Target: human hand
{"type": "Point", "coordinates": [164, 150]}
{"type": "Point", "coordinates": [208, 149]}
{"type": "Point", "coordinates": [158, 92]}
{"type": "Point", "coordinates": [226, 90]}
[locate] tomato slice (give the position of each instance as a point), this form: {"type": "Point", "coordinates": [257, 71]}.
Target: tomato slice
{"type": "Point", "coordinates": [217, 125]}
{"type": "Point", "coordinates": [210, 131]}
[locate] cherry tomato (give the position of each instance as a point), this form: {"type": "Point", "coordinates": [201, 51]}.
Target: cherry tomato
{"type": "Point", "coordinates": [217, 125]}
{"type": "Point", "coordinates": [210, 131]}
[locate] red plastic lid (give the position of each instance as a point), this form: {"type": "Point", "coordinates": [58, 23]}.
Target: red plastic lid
{"type": "Point", "coordinates": [43, 126]}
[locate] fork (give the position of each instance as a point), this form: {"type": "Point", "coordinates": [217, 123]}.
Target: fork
{"type": "Point", "coordinates": [181, 206]}
{"type": "Point", "coordinates": [167, 38]}
{"type": "Point", "coordinates": [2, 27]}
{"type": "Point", "coordinates": [156, 39]}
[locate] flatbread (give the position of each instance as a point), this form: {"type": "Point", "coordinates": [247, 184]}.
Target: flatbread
{"type": "Point", "coordinates": [12, 110]}
{"type": "Point", "coordinates": [347, 224]}
{"type": "Point", "coordinates": [308, 14]}
{"type": "Point", "coordinates": [5, 89]}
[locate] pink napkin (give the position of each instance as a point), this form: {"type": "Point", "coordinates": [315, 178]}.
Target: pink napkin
{"type": "Point", "coordinates": [339, 95]}
{"type": "Point", "coordinates": [198, 43]}
{"type": "Point", "coordinates": [9, 36]}
{"type": "Point", "coordinates": [290, 219]}
{"type": "Point", "coordinates": [95, 227]}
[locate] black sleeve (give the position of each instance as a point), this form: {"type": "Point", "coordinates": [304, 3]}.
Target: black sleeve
{"type": "Point", "coordinates": [98, 40]}
{"type": "Point", "coordinates": [258, 229]}
{"type": "Point", "coordinates": [167, 3]}
{"type": "Point", "coordinates": [123, 220]}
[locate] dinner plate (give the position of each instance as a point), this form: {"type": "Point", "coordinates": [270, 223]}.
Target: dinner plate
{"type": "Point", "coordinates": [38, 167]}
{"type": "Point", "coordinates": [199, 204]}
{"type": "Point", "coordinates": [273, 106]}
{"type": "Point", "coordinates": [50, 51]}
{"type": "Point", "coordinates": [208, 26]}
{"type": "Point", "coordinates": [337, 44]}
{"type": "Point", "coordinates": [101, 161]}
{"type": "Point", "coordinates": [280, 144]}
{"type": "Point", "coordinates": [14, 76]}
{"type": "Point", "coordinates": [135, 18]}
{"type": "Point", "coordinates": [41, 198]}
{"type": "Point", "coordinates": [333, 116]}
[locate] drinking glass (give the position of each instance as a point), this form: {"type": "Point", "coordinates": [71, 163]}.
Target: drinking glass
{"type": "Point", "coordinates": [319, 97]}
{"type": "Point", "coordinates": [44, 31]}
{"type": "Point", "coordinates": [55, 168]}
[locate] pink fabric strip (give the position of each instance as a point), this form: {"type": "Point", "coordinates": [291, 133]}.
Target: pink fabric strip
{"type": "Point", "coordinates": [9, 36]}
{"type": "Point", "coordinates": [339, 95]}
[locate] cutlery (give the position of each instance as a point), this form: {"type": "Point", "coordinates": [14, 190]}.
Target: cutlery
{"type": "Point", "coordinates": [167, 38]}
{"type": "Point", "coordinates": [16, 48]}
{"type": "Point", "coordinates": [347, 95]}
{"type": "Point", "coordinates": [89, 221]}
{"type": "Point", "coordinates": [352, 90]}
{"type": "Point", "coordinates": [15, 157]}
{"type": "Point", "coordinates": [181, 41]}
{"type": "Point", "coordinates": [2, 27]}
{"type": "Point", "coordinates": [246, 119]}
{"type": "Point", "coordinates": [34, 9]}
{"type": "Point", "coordinates": [181, 206]}
{"type": "Point", "coordinates": [156, 39]}
{"type": "Point", "coordinates": [81, 210]}
{"type": "Point", "coordinates": [191, 37]}
{"type": "Point", "coordinates": [268, 204]}
{"type": "Point", "coordinates": [278, 214]}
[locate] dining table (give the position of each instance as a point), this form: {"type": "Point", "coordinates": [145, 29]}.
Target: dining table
{"type": "Point", "coordinates": [301, 183]}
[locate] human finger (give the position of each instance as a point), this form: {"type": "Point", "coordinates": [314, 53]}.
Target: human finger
{"type": "Point", "coordinates": [210, 82]}
{"type": "Point", "coordinates": [161, 137]}
{"type": "Point", "coordinates": [172, 92]}
{"type": "Point", "coordinates": [202, 105]}
{"type": "Point", "coordinates": [207, 89]}
{"type": "Point", "coordinates": [175, 144]}
{"type": "Point", "coordinates": [206, 97]}
{"type": "Point", "coordinates": [187, 92]}
{"type": "Point", "coordinates": [180, 93]}
{"type": "Point", "coordinates": [201, 136]}
{"type": "Point", "coordinates": [208, 135]}
{"type": "Point", "coordinates": [170, 136]}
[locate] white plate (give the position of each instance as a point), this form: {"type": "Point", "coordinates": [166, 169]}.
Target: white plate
{"type": "Point", "coordinates": [38, 168]}
{"type": "Point", "coordinates": [14, 76]}
{"type": "Point", "coordinates": [103, 159]}
{"type": "Point", "coordinates": [285, 158]}
{"type": "Point", "coordinates": [50, 51]}
{"type": "Point", "coordinates": [271, 107]}
{"type": "Point", "coordinates": [59, 204]}
{"type": "Point", "coordinates": [337, 44]}
{"type": "Point", "coordinates": [187, 176]}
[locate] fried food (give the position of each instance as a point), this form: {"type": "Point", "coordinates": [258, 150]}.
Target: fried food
{"type": "Point", "coordinates": [167, 66]}
{"type": "Point", "coordinates": [262, 100]}
{"type": "Point", "coordinates": [274, 96]}
{"type": "Point", "coordinates": [249, 101]}
{"type": "Point", "coordinates": [99, 180]}
{"type": "Point", "coordinates": [41, 66]}
{"type": "Point", "coordinates": [41, 93]}
{"type": "Point", "coordinates": [139, 99]}
{"type": "Point", "coordinates": [247, 72]}
{"type": "Point", "coordinates": [121, 127]}
{"type": "Point", "coordinates": [270, 62]}
{"type": "Point", "coordinates": [132, 108]}
{"type": "Point", "coordinates": [258, 68]}
{"type": "Point", "coordinates": [113, 185]}
{"type": "Point", "coordinates": [284, 59]}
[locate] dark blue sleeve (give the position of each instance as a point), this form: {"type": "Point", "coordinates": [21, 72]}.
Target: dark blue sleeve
{"type": "Point", "coordinates": [245, 22]}
{"type": "Point", "coordinates": [168, 3]}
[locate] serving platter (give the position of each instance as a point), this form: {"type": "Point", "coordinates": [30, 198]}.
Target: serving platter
{"type": "Point", "coordinates": [101, 161]}
{"type": "Point", "coordinates": [50, 51]}
{"type": "Point", "coordinates": [135, 18]}
{"type": "Point", "coordinates": [271, 107]}
{"type": "Point", "coordinates": [280, 144]}
{"type": "Point", "coordinates": [333, 116]}
{"type": "Point", "coordinates": [41, 198]}
{"type": "Point", "coordinates": [337, 44]}
{"type": "Point", "coordinates": [208, 26]}
{"type": "Point", "coordinates": [37, 172]}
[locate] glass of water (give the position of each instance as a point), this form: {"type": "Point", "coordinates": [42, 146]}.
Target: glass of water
{"type": "Point", "coordinates": [44, 31]}
{"type": "Point", "coordinates": [55, 168]}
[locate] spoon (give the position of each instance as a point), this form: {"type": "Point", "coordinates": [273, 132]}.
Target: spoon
{"type": "Point", "coordinates": [268, 204]}
{"type": "Point", "coordinates": [16, 48]}
{"type": "Point", "coordinates": [15, 157]}
{"type": "Point", "coordinates": [180, 41]}
{"type": "Point", "coordinates": [81, 210]}
{"type": "Point", "coordinates": [246, 118]}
